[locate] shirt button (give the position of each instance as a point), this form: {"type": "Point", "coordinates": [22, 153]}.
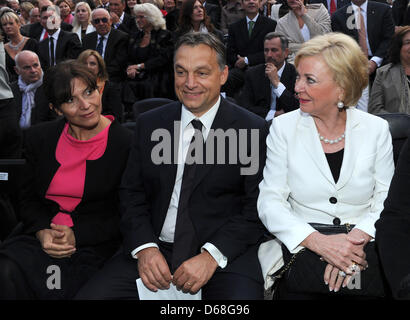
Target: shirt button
{"type": "Point", "coordinates": [336, 221]}
{"type": "Point", "coordinates": [332, 200]}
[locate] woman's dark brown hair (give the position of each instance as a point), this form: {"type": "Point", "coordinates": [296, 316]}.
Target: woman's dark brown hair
{"type": "Point", "coordinates": [58, 81]}
{"type": "Point", "coordinates": [397, 43]}
{"type": "Point", "coordinates": [185, 24]}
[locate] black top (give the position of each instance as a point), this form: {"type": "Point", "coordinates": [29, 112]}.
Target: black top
{"type": "Point", "coordinates": [31, 45]}
{"type": "Point", "coordinates": [335, 163]}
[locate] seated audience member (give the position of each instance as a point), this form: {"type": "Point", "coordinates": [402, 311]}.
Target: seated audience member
{"type": "Point", "coordinates": [59, 45]}
{"type": "Point", "coordinates": [65, 11]}
{"type": "Point", "coordinates": [302, 22]}
{"type": "Point", "coordinates": [378, 29]}
{"type": "Point", "coordinates": [245, 44]}
{"type": "Point", "coordinates": [304, 181]}
{"type": "Point", "coordinates": [392, 229]}
{"type": "Point", "coordinates": [269, 88]}
{"type": "Point", "coordinates": [69, 201]}
{"type": "Point", "coordinates": [231, 13]}
{"type": "Point", "coordinates": [110, 43]}
{"type": "Point", "coordinates": [129, 7]}
{"type": "Point", "coordinates": [35, 15]}
{"type": "Point", "coordinates": [171, 18]}
{"type": "Point", "coordinates": [25, 9]}
{"type": "Point", "coordinates": [193, 17]}
{"type": "Point", "coordinates": [149, 71]}
{"type": "Point", "coordinates": [38, 30]}
{"type": "Point", "coordinates": [82, 20]}
{"type": "Point", "coordinates": [10, 23]}
{"type": "Point", "coordinates": [213, 11]}
{"type": "Point", "coordinates": [391, 88]}
{"type": "Point", "coordinates": [205, 231]}
{"type": "Point", "coordinates": [110, 92]}
{"type": "Point", "coordinates": [31, 101]}
{"type": "Point", "coordinates": [10, 132]}
{"type": "Point", "coordinates": [121, 20]}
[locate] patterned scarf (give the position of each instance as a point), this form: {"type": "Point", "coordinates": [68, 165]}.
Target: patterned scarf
{"type": "Point", "coordinates": [27, 103]}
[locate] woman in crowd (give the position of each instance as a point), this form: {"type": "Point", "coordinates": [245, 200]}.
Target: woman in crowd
{"type": "Point", "coordinates": [82, 20]}
{"type": "Point", "coordinates": [149, 56]}
{"type": "Point", "coordinates": [391, 88]}
{"type": "Point", "coordinates": [110, 92]}
{"type": "Point", "coordinates": [129, 8]}
{"type": "Point", "coordinates": [303, 22]}
{"type": "Point", "coordinates": [25, 9]}
{"type": "Point", "coordinates": [10, 24]}
{"type": "Point", "coordinates": [65, 11]}
{"type": "Point", "coordinates": [193, 17]}
{"type": "Point", "coordinates": [69, 203]}
{"type": "Point", "coordinates": [327, 163]}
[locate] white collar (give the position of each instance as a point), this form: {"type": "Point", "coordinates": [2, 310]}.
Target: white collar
{"type": "Point", "coordinates": [207, 118]}
{"type": "Point", "coordinates": [363, 7]}
{"type": "Point", "coordinates": [254, 19]}
{"type": "Point", "coordinates": [55, 35]}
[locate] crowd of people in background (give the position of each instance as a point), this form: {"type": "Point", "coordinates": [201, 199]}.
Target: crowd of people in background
{"type": "Point", "coordinates": [316, 71]}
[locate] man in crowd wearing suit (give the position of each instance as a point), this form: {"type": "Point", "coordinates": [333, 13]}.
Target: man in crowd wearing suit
{"type": "Point", "coordinates": [59, 45]}
{"type": "Point", "coordinates": [269, 87]}
{"type": "Point", "coordinates": [38, 30]}
{"type": "Point", "coordinates": [378, 28]}
{"type": "Point", "coordinates": [121, 20]}
{"type": "Point", "coordinates": [110, 43]}
{"type": "Point", "coordinates": [186, 217]}
{"type": "Point", "coordinates": [332, 5]}
{"type": "Point", "coordinates": [245, 44]}
{"type": "Point", "coordinates": [32, 104]}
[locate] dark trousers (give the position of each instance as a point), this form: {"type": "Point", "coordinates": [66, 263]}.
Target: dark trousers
{"type": "Point", "coordinates": [117, 280]}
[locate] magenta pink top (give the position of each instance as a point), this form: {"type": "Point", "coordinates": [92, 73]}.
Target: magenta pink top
{"type": "Point", "coordinates": [69, 19]}
{"type": "Point", "coordinates": [67, 186]}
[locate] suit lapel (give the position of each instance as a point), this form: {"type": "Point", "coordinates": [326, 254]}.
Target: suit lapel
{"type": "Point", "coordinates": [353, 141]}
{"type": "Point", "coordinates": [371, 19]}
{"type": "Point", "coordinates": [309, 137]}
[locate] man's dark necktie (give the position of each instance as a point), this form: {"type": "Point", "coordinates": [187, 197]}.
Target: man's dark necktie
{"type": "Point", "coordinates": [100, 46]}
{"type": "Point", "coordinates": [185, 241]}
{"type": "Point", "coordinates": [52, 59]}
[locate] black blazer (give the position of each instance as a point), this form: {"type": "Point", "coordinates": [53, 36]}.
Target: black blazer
{"type": "Point", "coordinates": [41, 111]}
{"type": "Point", "coordinates": [214, 12]}
{"type": "Point", "coordinates": [96, 218]}
{"type": "Point", "coordinates": [35, 29]}
{"type": "Point", "coordinates": [128, 24]}
{"type": "Point", "coordinates": [222, 203]}
{"type": "Point", "coordinates": [240, 43]}
{"type": "Point", "coordinates": [393, 229]}
{"type": "Point", "coordinates": [256, 93]}
{"type": "Point", "coordinates": [380, 26]}
{"type": "Point", "coordinates": [115, 56]}
{"type": "Point", "coordinates": [68, 47]}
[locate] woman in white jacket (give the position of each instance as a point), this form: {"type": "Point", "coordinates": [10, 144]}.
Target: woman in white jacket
{"type": "Point", "coordinates": [326, 163]}
{"type": "Point", "coordinates": [82, 20]}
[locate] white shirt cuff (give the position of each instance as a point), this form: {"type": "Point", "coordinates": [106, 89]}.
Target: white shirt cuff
{"type": "Point", "coordinates": [216, 254]}
{"type": "Point", "coordinates": [144, 246]}
{"type": "Point", "coordinates": [246, 60]}
{"type": "Point", "coordinates": [377, 60]}
{"type": "Point", "coordinates": [279, 90]}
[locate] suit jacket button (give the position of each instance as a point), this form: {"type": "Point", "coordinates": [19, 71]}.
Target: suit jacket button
{"type": "Point", "coordinates": [336, 221]}
{"type": "Point", "coordinates": [332, 200]}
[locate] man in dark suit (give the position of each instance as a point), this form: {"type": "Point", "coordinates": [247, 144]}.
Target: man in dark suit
{"type": "Point", "coordinates": [31, 102]}
{"type": "Point", "coordinates": [191, 216]}
{"type": "Point", "coordinates": [121, 20]}
{"type": "Point", "coordinates": [332, 7]}
{"type": "Point", "coordinates": [60, 45]}
{"type": "Point", "coordinates": [379, 28]}
{"type": "Point", "coordinates": [269, 87]}
{"type": "Point", "coordinates": [110, 43]}
{"type": "Point", "coordinates": [245, 44]}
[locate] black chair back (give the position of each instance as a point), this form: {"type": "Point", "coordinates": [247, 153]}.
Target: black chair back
{"type": "Point", "coordinates": [144, 105]}
{"type": "Point", "coordinates": [399, 125]}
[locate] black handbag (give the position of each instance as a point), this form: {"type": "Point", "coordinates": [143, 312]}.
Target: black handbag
{"type": "Point", "coordinates": [303, 271]}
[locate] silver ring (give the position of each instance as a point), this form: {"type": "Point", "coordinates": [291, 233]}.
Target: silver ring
{"type": "Point", "coordinates": [342, 274]}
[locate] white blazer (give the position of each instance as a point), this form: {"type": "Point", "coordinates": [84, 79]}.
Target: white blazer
{"type": "Point", "coordinates": [297, 182]}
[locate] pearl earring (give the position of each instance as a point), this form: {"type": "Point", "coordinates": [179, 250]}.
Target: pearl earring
{"type": "Point", "coordinates": [340, 105]}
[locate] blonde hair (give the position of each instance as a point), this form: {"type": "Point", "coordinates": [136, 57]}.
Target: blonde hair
{"type": "Point", "coordinates": [10, 16]}
{"type": "Point", "coordinates": [153, 15]}
{"type": "Point", "coordinates": [344, 58]}
{"type": "Point", "coordinates": [76, 23]}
